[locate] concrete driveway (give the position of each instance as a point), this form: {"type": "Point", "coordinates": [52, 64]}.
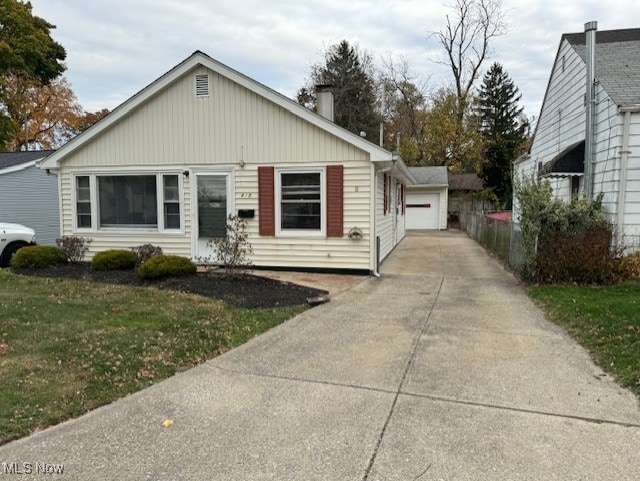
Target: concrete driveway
{"type": "Point", "coordinates": [440, 369]}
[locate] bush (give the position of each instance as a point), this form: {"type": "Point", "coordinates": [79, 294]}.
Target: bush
{"type": "Point", "coordinates": [114, 260]}
{"type": "Point", "coordinates": [234, 250]}
{"type": "Point", "coordinates": [628, 267]}
{"type": "Point", "coordinates": [547, 221]}
{"type": "Point", "coordinates": [582, 257]}
{"type": "Point", "coordinates": [74, 247]}
{"type": "Point", "coordinates": [166, 266]}
{"type": "Point", "coordinates": [146, 252]}
{"type": "Point", "coordinates": [38, 256]}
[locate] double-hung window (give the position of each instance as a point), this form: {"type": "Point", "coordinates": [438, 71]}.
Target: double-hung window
{"type": "Point", "coordinates": [301, 198]}
{"type": "Point", "coordinates": [171, 201]}
{"type": "Point", "coordinates": [136, 201]}
{"type": "Point", "coordinates": [83, 202]}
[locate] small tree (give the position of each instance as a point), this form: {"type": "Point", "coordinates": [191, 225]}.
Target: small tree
{"type": "Point", "coordinates": [74, 247]}
{"type": "Point", "coordinates": [233, 250]}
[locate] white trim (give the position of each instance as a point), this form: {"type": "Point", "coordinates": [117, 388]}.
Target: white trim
{"type": "Point", "coordinates": [193, 188]}
{"type": "Point", "coordinates": [95, 221]}
{"type": "Point", "coordinates": [200, 59]}
{"type": "Point", "coordinates": [323, 202]}
{"type": "Point", "coordinates": [19, 167]}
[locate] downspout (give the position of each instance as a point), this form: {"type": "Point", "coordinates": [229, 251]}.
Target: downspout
{"type": "Point", "coordinates": [589, 150]}
{"type": "Point", "coordinates": [624, 162]}
{"type": "Point", "coordinates": [374, 239]}
{"type": "Point", "coordinates": [373, 244]}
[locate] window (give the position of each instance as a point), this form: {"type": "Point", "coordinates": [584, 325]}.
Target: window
{"type": "Point", "coordinates": [301, 201]}
{"type": "Point", "coordinates": [136, 201]}
{"type": "Point", "coordinates": [171, 204]}
{"type": "Point", "coordinates": [83, 202]}
{"type": "Point", "coordinates": [128, 201]}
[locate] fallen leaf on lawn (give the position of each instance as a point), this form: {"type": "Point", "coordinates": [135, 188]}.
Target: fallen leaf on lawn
{"type": "Point", "coordinates": [167, 423]}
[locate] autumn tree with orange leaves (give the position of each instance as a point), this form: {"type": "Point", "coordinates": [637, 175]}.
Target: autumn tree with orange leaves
{"type": "Point", "coordinates": [38, 109]}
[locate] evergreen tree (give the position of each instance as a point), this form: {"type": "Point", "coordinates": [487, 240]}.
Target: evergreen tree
{"type": "Point", "coordinates": [504, 128]}
{"type": "Point", "coordinates": [350, 73]}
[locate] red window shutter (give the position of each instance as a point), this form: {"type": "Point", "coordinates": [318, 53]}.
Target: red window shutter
{"type": "Point", "coordinates": [335, 200]}
{"type": "Point", "coordinates": [266, 201]}
{"type": "Point", "coordinates": [404, 198]}
{"type": "Point", "coordinates": [386, 194]}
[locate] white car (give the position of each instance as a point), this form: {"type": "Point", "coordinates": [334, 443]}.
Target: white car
{"type": "Point", "coordinates": [12, 238]}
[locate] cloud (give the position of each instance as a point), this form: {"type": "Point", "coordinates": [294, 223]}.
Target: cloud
{"type": "Point", "coordinates": [117, 47]}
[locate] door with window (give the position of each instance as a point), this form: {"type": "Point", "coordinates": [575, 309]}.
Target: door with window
{"type": "Point", "coordinates": [214, 205]}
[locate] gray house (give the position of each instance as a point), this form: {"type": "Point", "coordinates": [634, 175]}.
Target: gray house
{"type": "Point", "coordinates": [28, 195]}
{"type": "Point", "coordinates": [559, 146]}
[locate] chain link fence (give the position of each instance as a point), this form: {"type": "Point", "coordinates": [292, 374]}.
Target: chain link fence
{"type": "Point", "coordinates": [502, 237]}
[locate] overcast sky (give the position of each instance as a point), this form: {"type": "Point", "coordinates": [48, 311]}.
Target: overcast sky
{"type": "Point", "coordinates": [116, 47]}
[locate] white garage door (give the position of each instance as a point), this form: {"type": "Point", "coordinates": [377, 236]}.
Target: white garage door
{"type": "Point", "coordinates": [423, 210]}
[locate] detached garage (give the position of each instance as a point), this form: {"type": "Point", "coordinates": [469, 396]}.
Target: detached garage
{"type": "Point", "coordinates": [426, 204]}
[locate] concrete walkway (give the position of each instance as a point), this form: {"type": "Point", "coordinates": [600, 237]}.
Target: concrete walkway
{"type": "Point", "coordinates": [441, 369]}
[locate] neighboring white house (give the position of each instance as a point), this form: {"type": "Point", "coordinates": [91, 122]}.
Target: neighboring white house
{"type": "Point", "coordinates": [427, 199]}
{"type": "Point", "coordinates": [558, 148]}
{"type": "Point", "coordinates": [203, 141]}
{"type": "Point", "coordinates": [28, 195]}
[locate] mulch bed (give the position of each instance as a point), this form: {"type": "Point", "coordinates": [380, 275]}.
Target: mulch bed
{"type": "Point", "coordinates": [244, 290]}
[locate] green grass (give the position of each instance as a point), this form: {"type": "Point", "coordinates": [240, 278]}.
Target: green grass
{"type": "Point", "coordinates": [606, 320]}
{"type": "Point", "coordinates": [67, 347]}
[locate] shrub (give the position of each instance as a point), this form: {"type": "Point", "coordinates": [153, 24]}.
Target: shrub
{"type": "Point", "coordinates": [166, 266]}
{"type": "Point", "coordinates": [547, 220]}
{"type": "Point", "coordinates": [146, 252]}
{"type": "Point", "coordinates": [74, 247]}
{"type": "Point", "coordinates": [114, 260]}
{"type": "Point", "coordinates": [233, 251]}
{"type": "Point", "coordinates": [38, 256]}
{"type": "Point", "coordinates": [628, 267]}
{"type": "Point", "coordinates": [582, 257]}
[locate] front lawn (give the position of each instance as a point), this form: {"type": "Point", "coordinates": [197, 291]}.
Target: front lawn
{"type": "Point", "coordinates": [606, 320]}
{"type": "Point", "coordinates": [67, 347]}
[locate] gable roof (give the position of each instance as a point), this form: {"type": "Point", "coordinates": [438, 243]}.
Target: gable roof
{"type": "Point", "coordinates": [18, 159]}
{"type": "Point", "coordinates": [621, 45]}
{"type": "Point", "coordinates": [617, 62]}
{"type": "Point", "coordinates": [198, 58]}
{"type": "Point", "coordinates": [433, 176]}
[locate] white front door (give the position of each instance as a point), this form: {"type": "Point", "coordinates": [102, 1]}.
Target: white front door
{"type": "Point", "coordinates": [213, 207]}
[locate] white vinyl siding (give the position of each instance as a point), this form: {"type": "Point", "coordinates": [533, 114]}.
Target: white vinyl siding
{"type": "Point", "coordinates": [390, 227]}
{"type": "Point", "coordinates": [175, 128]}
{"type": "Point", "coordinates": [557, 131]}
{"type": "Point", "coordinates": [178, 132]}
{"type": "Point", "coordinates": [312, 251]}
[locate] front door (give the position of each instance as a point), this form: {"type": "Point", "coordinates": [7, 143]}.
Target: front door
{"type": "Point", "coordinates": [213, 208]}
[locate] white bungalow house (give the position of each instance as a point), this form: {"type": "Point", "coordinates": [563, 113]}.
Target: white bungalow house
{"type": "Point", "coordinates": [558, 149]}
{"type": "Point", "coordinates": [204, 141]}
{"type": "Point", "coordinates": [28, 195]}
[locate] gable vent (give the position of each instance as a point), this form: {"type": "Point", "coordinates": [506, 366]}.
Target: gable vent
{"type": "Point", "coordinates": [202, 85]}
